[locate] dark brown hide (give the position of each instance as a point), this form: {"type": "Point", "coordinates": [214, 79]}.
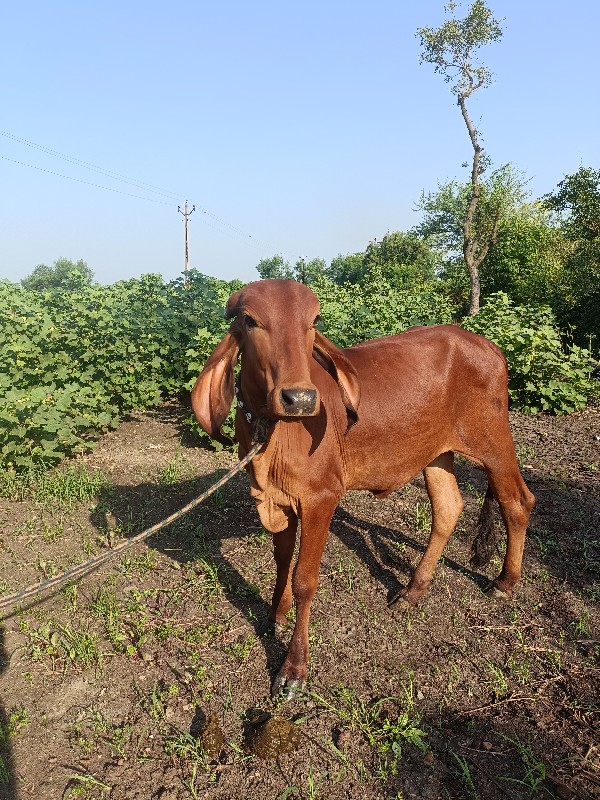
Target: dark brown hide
{"type": "Point", "coordinates": [385, 410]}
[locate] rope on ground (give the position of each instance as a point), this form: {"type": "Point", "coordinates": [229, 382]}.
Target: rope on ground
{"type": "Point", "coordinates": [93, 563]}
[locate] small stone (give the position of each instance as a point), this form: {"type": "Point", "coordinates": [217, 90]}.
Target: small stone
{"type": "Point", "coordinates": [428, 758]}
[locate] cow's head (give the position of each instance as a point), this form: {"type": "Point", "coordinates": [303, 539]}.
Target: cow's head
{"type": "Point", "coordinates": [273, 329]}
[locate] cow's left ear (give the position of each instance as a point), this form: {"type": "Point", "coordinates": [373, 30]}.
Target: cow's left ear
{"type": "Point", "coordinates": [213, 391]}
{"type": "Point", "coordinates": [335, 362]}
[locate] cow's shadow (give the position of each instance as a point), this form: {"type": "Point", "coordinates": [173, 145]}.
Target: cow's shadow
{"type": "Point", "coordinates": [386, 552]}
{"type": "Point", "coordinates": [206, 534]}
{"type": "Point", "coordinates": [8, 789]}
{"type": "Point", "coordinates": [389, 553]}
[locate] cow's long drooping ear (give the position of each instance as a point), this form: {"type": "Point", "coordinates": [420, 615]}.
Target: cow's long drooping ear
{"type": "Point", "coordinates": [212, 394]}
{"type": "Point", "coordinates": [335, 362]}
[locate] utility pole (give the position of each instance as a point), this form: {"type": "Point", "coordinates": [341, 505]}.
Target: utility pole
{"type": "Point", "coordinates": [186, 215]}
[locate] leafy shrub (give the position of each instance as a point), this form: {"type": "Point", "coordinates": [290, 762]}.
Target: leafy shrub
{"type": "Point", "coordinates": [542, 375]}
{"type": "Point", "coordinates": [352, 313]}
{"type": "Point", "coordinates": [73, 362]}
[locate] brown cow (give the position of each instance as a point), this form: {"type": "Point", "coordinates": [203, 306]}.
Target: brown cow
{"type": "Point", "coordinates": [371, 417]}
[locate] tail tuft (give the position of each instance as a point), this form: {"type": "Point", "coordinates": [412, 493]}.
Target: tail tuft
{"type": "Point", "coordinates": [486, 538]}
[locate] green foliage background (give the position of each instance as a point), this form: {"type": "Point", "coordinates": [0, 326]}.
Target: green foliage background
{"type": "Point", "coordinates": [75, 357]}
{"type": "Point", "coordinates": [544, 374]}
{"type": "Point", "coordinates": [75, 362]}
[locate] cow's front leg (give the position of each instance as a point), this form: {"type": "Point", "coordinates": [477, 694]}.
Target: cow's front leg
{"type": "Point", "coordinates": [314, 519]}
{"type": "Point", "coordinates": [284, 543]}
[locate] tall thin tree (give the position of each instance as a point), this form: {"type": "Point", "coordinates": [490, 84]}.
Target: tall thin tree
{"type": "Point", "coordinates": [452, 49]}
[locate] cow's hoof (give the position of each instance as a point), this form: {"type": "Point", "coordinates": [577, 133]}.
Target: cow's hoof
{"type": "Point", "coordinates": [270, 628]}
{"type": "Point", "coordinates": [400, 601]}
{"type": "Point", "coordinates": [285, 687]}
{"type": "Point", "coordinates": [492, 592]}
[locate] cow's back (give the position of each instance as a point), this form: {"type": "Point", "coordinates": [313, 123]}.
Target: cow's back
{"type": "Point", "coordinates": [423, 392]}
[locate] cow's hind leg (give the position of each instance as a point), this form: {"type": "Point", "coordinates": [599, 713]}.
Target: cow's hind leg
{"type": "Point", "coordinates": [446, 507]}
{"type": "Point", "coordinates": [516, 504]}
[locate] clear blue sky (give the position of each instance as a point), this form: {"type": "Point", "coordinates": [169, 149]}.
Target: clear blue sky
{"type": "Point", "coordinates": [304, 128]}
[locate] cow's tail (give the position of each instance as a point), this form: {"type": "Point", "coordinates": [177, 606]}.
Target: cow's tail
{"type": "Point", "coordinates": [486, 538]}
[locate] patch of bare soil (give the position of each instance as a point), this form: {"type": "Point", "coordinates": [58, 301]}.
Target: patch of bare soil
{"type": "Point", "coordinates": [150, 678]}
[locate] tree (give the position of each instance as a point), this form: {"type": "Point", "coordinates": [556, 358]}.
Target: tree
{"type": "Point", "coordinates": [527, 259]}
{"type": "Point", "coordinates": [452, 49]}
{"type": "Point", "coordinates": [65, 275]}
{"type": "Point", "coordinates": [275, 267]}
{"type": "Point", "coordinates": [346, 269]}
{"type": "Point", "coordinates": [577, 201]}
{"type": "Point", "coordinates": [404, 259]}
{"type": "Point", "coordinates": [576, 204]}
{"type": "Point", "coordinates": [445, 210]}
{"type": "Point", "coordinates": [303, 271]}
{"type": "Point", "coordinates": [309, 271]}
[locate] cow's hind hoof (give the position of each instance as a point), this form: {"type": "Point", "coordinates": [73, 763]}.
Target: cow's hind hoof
{"type": "Point", "coordinates": [400, 601]}
{"type": "Point", "coordinates": [492, 592]}
{"type": "Point", "coordinates": [270, 628]}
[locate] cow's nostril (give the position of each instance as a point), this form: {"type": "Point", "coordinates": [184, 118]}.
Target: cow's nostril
{"type": "Point", "coordinates": [299, 402]}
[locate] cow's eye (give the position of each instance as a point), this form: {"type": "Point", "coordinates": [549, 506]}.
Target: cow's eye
{"type": "Point", "coordinates": [317, 319]}
{"type": "Point", "coordinates": [250, 322]}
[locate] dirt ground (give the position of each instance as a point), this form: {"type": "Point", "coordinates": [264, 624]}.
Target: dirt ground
{"type": "Point", "coordinates": [150, 678]}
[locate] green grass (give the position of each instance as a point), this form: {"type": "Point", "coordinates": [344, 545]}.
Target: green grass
{"type": "Point", "coordinates": [17, 720]}
{"type": "Point", "coordinates": [536, 773]}
{"type": "Point", "coordinates": [175, 470]}
{"type": "Point", "coordinates": [465, 776]}
{"type": "Point", "coordinates": [4, 773]}
{"type": "Point", "coordinates": [389, 724]}
{"type": "Point", "coordinates": [63, 644]}
{"type": "Point", "coordinates": [185, 746]}
{"type": "Point", "coordinates": [86, 787]}
{"type": "Point", "coordinates": [64, 486]}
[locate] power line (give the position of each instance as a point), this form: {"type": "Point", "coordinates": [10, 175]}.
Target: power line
{"type": "Point", "coordinates": [88, 183]}
{"type": "Point", "coordinates": [87, 165]}
{"type": "Point", "coordinates": [248, 238]}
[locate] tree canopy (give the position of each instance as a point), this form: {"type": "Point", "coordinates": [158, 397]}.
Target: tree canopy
{"type": "Point", "coordinates": [303, 271]}
{"type": "Point", "coordinates": [576, 204]}
{"type": "Point", "coordinates": [64, 275]}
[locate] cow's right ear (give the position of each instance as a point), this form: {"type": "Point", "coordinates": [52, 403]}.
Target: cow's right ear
{"type": "Point", "coordinates": [213, 391]}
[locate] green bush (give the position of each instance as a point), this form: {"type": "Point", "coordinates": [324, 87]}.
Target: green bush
{"type": "Point", "coordinates": [543, 376]}
{"type": "Point", "coordinates": [73, 362]}
{"type": "Point", "coordinates": [353, 312]}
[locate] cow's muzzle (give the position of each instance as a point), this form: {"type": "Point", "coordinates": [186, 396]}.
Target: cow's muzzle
{"type": "Point", "coordinates": [299, 402]}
